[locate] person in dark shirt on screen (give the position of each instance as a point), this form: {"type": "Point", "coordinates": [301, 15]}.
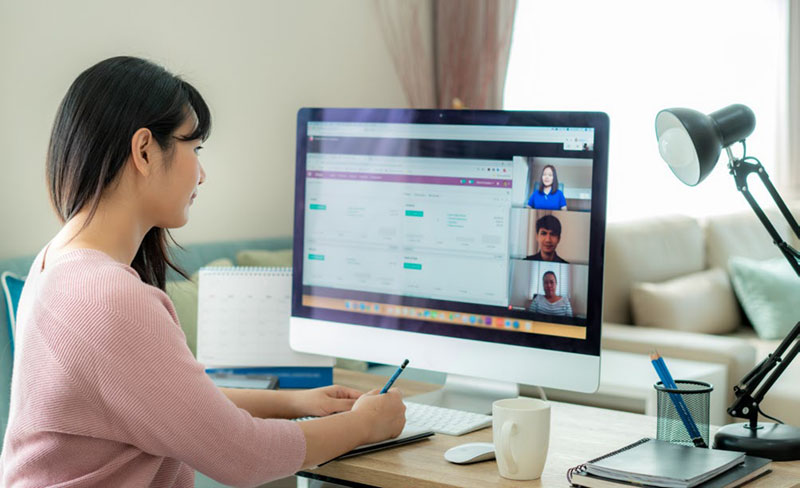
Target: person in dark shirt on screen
{"type": "Point", "coordinates": [548, 235]}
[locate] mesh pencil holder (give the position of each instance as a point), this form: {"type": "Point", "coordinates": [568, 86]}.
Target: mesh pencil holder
{"type": "Point", "coordinates": [696, 395]}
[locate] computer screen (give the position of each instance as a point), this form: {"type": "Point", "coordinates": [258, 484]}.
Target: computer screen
{"type": "Point", "coordinates": [472, 240]}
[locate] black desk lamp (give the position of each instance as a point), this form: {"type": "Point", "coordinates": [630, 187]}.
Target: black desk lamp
{"type": "Point", "coordinates": [691, 143]}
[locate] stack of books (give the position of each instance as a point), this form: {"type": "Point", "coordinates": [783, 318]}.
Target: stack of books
{"type": "Point", "coordinates": [650, 462]}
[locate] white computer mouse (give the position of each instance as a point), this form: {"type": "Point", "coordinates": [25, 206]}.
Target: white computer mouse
{"type": "Point", "coordinates": [471, 452]}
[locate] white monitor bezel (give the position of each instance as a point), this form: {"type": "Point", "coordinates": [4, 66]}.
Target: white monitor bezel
{"type": "Point", "coordinates": [562, 369]}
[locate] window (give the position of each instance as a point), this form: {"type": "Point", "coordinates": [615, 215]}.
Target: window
{"type": "Point", "coordinates": [630, 59]}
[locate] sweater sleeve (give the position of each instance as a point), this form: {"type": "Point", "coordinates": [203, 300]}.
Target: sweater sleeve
{"type": "Point", "coordinates": [125, 352]}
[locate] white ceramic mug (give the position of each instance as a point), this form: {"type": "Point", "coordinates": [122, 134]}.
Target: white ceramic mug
{"type": "Point", "coordinates": [521, 432]}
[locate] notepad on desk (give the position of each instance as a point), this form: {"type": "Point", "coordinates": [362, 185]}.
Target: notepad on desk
{"type": "Point", "coordinates": [243, 326]}
{"type": "Point", "coordinates": [752, 468]}
{"type": "Point", "coordinates": [411, 433]}
{"type": "Point", "coordinates": [650, 462]}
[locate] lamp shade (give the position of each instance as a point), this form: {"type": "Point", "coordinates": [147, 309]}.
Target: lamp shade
{"type": "Point", "coordinates": [690, 142]}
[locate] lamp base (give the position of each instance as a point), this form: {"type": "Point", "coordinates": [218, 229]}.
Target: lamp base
{"type": "Point", "coordinates": [779, 442]}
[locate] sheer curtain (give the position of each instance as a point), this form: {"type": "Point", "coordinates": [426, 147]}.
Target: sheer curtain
{"type": "Point", "coordinates": [789, 171]}
{"type": "Point", "coordinates": [473, 38]}
{"type": "Point", "coordinates": [407, 27]}
{"type": "Point", "coordinates": [631, 58]}
{"type": "Point", "coordinates": [449, 53]}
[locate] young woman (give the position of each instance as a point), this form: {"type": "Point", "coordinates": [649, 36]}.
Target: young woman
{"type": "Point", "coordinates": [548, 196]}
{"type": "Point", "coordinates": [105, 391]}
{"type": "Point", "coordinates": [550, 303]}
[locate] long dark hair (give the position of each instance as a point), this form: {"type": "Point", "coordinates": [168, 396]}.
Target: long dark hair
{"type": "Point", "coordinates": [91, 140]}
{"type": "Point", "coordinates": [553, 188]}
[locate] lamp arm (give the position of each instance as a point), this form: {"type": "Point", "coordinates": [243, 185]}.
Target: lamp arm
{"type": "Point", "coordinates": [741, 169]}
{"type": "Point", "coordinates": [783, 363]}
{"type": "Point", "coordinates": [754, 386]}
{"type": "Point", "coordinates": [748, 399]}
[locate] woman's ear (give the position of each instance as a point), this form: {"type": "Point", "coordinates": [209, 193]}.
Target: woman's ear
{"type": "Point", "coordinates": [142, 151]}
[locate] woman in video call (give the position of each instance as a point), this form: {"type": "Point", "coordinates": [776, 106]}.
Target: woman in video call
{"type": "Point", "coordinates": [548, 196]}
{"type": "Point", "coordinates": [550, 303]}
{"type": "Point", "coordinates": [105, 391]}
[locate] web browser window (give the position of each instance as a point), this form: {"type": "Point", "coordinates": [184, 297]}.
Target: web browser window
{"type": "Point", "coordinates": [450, 223]}
{"type": "Point", "coordinates": [425, 216]}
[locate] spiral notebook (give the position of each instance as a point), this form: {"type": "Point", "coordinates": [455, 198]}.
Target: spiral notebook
{"type": "Point", "coordinates": [243, 326]}
{"type": "Point", "coordinates": [752, 468]}
{"type": "Point", "coordinates": [652, 462]}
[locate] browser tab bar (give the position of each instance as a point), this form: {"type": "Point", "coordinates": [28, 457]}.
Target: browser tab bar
{"type": "Point", "coordinates": [577, 137]}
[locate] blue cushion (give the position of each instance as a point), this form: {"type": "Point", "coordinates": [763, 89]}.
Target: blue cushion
{"type": "Point", "coordinates": [12, 289]}
{"type": "Point", "coordinates": [768, 291]}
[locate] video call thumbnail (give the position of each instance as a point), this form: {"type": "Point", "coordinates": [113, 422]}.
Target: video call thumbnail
{"type": "Point", "coordinates": [549, 288]}
{"type": "Point", "coordinates": [548, 183]}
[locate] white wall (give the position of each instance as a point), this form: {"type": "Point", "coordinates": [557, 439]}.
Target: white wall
{"type": "Point", "coordinates": [255, 61]}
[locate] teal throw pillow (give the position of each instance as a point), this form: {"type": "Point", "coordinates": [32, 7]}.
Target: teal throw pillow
{"type": "Point", "coordinates": [12, 289]}
{"type": "Point", "coordinates": [769, 292]}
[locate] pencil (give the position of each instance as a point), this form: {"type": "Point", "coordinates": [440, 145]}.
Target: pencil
{"type": "Point", "coordinates": [680, 406]}
{"type": "Point", "coordinates": [394, 377]}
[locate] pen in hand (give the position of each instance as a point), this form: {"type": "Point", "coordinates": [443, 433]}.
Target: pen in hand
{"type": "Point", "coordinates": [394, 377]}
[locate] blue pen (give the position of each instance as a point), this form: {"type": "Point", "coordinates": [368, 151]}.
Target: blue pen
{"type": "Point", "coordinates": [394, 377]}
{"type": "Point", "coordinates": [680, 406]}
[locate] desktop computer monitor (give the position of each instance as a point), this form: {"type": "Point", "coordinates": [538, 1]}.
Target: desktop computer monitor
{"type": "Point", "coordinates": [470, 242]}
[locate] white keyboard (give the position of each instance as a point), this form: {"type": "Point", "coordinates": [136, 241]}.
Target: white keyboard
{"type": "Point", "coordinates": [445, 420]}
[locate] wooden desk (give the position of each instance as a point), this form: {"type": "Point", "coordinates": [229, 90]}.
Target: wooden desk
{"type": "Point", "coordinates": [577, 434]}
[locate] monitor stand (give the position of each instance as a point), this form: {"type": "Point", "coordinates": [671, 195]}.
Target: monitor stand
{"type": "Point", "coordinates": [468, 393]}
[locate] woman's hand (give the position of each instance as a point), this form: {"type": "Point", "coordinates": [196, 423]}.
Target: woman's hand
{"type": "Point", "coordinates": [373, 418]}
{"type": "Point", "coordinates": [385, 414]}
{"type": "Point", "coordinates": [321, 402]}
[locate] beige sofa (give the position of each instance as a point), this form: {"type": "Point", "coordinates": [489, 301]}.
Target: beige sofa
{"type": "Point", "coordinates": [661, 249]}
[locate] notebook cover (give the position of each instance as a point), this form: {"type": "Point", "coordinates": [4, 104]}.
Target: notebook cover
{"type": "Point", "coordinates": [752, 468]}
{"type": "Point", "coordinates": [409, 434]}
{"type": "Point", "coordinates": [653, 461]}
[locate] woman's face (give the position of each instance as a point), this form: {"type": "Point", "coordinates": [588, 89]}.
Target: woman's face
{"type": "Point", "coordinates": [178, 177]}
{"type": "Point", "coordinates": [547, 177]}
{"type": "Point", "coordinates": [549, 282]}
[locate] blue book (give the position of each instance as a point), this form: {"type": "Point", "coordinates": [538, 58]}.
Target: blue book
{"type": "Point", "coordinates": [288, 377]}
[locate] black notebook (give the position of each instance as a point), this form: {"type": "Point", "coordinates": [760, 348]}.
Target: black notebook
{"type": "Point", "coordinates": [659, 463]}
{"type": "Point", "coordinates": [751, 469]}
{"type": "Point", "coordinates": [411, 433]}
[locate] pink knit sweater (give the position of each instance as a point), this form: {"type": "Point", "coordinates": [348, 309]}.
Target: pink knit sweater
{"type": "Point", "coordinates": [105, 391]}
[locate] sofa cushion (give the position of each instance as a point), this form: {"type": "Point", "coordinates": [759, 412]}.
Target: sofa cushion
{"type": "Point", "coordinates": [701, 302]}
{"type": "Point", "coordinates": [194, 256]}
{"type": "Point", "coordinates": [742, 234]}
{"type": "Point", "coordinates": [650, 250]}
{"type": "Point", "coordinates": [768, 291]}
{"type": "Point", "coordinates": [262, 257]}
{"type": "Point", "coordinates": [737, 354]}
{"type": "Point", "coordinates": [183, 294]}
